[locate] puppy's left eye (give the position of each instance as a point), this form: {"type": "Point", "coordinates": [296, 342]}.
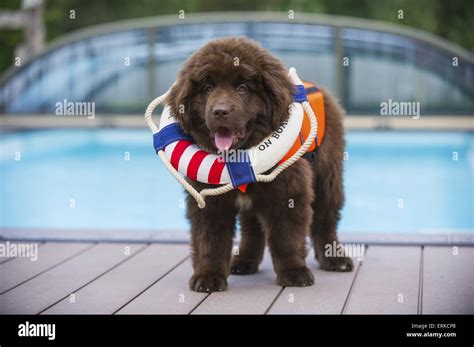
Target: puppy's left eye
{"type": "Point", "coordinates": [242, 88]}
{"type": "Point", "coordinates": [208, 88]}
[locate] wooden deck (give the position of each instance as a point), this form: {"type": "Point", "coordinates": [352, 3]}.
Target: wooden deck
{"type": "Point", "coordinates": [121, 278]}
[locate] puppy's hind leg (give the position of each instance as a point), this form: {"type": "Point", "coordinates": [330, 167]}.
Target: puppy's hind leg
{"type": "Point", "coordinates": [327, 205]}
{"type": "Point", "coordinates": [252, 245]}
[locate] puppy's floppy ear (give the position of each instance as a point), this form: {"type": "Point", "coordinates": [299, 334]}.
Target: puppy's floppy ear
{"type": "Point", "coordinates": [279, 91]}
{"type": "Point", "coordinates": [179, 101]}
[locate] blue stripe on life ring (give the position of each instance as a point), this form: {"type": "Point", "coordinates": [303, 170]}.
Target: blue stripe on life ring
{"type": "Point", "coordinates": [169, 134]}
{"type": "Point", "coordinates": [241, 172]}
{"type": "Point", "coordinates": [300, 94]}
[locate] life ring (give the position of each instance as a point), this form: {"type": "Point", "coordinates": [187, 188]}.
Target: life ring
{"type": "Point", "coordinates": [198, 165]}
{"type": "Point", "coordinates": [182, 158]}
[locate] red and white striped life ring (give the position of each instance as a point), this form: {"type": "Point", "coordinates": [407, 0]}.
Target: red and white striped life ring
{"type": "Point", "coordinates": [198, 165]}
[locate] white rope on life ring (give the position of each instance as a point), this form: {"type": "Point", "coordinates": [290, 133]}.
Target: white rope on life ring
{"type": "Point", "coordinates": [262, 157]}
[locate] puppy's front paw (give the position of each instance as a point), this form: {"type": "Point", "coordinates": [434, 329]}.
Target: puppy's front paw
{"type": "Point", "coordinates": [208, 283]}
{"type": "Point", "coordinates": [341, 264]}
{"type": "Point", "coordinates": [243, 267]}
{"type": "Point", "coordinates": [300, 277]}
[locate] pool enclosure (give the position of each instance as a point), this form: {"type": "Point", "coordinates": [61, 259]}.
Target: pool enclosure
{"type": "Point", "coordinates": [121, 66]}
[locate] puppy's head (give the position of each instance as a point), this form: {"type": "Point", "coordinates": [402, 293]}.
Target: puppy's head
{"type": "Point", "coordinates": [231, 94]}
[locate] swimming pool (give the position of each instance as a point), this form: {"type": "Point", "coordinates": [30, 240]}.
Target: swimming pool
{"type": "Point", "coordinates": [397, 182]}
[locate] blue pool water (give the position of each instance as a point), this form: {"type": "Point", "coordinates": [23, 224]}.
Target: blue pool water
{"type": "Point", "coordinates": [80, 179]}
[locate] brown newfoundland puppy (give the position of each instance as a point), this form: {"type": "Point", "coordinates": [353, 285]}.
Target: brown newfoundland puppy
{"type": "Point", "coordinates": [231, 94]}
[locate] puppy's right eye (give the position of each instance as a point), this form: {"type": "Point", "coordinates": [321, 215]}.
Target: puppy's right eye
{"type": "Point", "coordinates": [208, 88]}
{"type": "Point", "coordinates": [243, 88]}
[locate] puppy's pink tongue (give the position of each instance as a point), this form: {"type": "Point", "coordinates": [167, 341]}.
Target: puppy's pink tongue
{"type": "Point", "coordinates": [224, 139]}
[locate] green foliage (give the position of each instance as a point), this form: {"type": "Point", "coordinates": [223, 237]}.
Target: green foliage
{"type": "Point", "coordinates": [9, 39]}
{"type": "Point", "coordinates": [10, 4]}
{"type": "Point", "coordinates": [450, 19]}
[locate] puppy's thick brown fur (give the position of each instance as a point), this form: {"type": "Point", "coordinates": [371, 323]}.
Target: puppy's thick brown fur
{"type": "Point", "coordinates": [304, 200]}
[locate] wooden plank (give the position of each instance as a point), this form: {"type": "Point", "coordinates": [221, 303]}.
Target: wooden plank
{"type": "Point", "coordinates": [51, 286]}
{"type": "Point", "coordinates": [170, 295]}
{"type": "Point", "coordinates": [326, 296]}
{"type": "Point", "coordinates": [448, 280]}
{"type": "Point", "coordinates": [251, 294]}
{"type": "Point", "coordinates": [8, 258]}
{"type": "Point", "coordinates": [387, 281]}
{"type": "Point", "coordinates": [110, 292]}
{"type": "Point", "coordinates": [20, 270]}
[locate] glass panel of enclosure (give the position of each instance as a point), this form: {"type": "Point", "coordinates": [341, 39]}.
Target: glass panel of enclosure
{"type": "Point", "coordinates": [385, 66]}
{"type": "Point", "coordinates": [121, 72]}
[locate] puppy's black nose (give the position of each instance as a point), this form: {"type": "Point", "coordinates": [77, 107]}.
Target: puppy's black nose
{"type": "Point", "coordinates": [221, 110]}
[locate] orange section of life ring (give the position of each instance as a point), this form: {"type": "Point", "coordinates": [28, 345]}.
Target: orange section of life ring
{"type": "Point", "coordinates": [316, 100]}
